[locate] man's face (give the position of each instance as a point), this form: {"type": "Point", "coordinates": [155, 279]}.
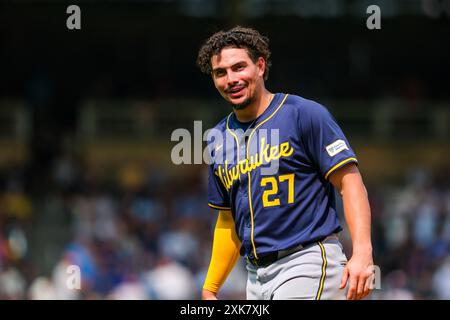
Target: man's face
{"type": "Point", "coordinates": [237, 77]}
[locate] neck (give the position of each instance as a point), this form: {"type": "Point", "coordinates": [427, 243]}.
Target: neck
{"type": "Point", "coordinates": [254, 110]}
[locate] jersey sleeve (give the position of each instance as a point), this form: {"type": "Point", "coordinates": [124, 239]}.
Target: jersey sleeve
{"type": "Point", "coordinates": [324, 140]}
{"type": "Point", "coordinates": [218, 197]}
{"type": "Point", "coordinates": [217, 194]}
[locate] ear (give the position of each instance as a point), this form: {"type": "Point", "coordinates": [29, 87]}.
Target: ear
{"type": "Point", "coordinates": [261, 63]}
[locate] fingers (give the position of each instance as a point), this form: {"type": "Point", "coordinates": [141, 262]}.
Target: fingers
{"type": "Point", "coordinates": [353, 286]}
{"type": "Point", "coordinates": [368, 286]}
{"type": "Point", "coordinates": [344, 278]}
{"type": "Point", "coordinates": [360, 287]}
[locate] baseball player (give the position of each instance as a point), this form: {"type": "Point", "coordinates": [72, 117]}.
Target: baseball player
{"type": "Point", "coordinates": [275, 185]}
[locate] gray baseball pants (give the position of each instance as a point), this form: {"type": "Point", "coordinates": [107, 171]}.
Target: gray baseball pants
{"type": "Point", "coordinates": [313, 273]}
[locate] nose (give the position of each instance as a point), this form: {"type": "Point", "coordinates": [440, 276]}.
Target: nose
{"type": "Point", "coordinates": [231, 78]}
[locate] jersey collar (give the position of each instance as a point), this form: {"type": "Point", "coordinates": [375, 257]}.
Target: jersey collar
{"type": "Point", "coordinates": [234, 123]}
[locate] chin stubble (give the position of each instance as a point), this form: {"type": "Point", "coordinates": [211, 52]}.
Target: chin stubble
{"type": "Point", "coordinates": [242, 105]}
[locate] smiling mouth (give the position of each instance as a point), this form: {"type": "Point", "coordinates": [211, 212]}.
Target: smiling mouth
{"type": "Point", "coordinates": [236, 91]}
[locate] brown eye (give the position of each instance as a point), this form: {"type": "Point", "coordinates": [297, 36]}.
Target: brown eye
{"type": "Point", "coordinates": [219, 73]}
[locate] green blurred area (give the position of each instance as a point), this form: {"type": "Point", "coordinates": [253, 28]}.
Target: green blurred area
{"type": "Point", "coordinates": [389, 137]}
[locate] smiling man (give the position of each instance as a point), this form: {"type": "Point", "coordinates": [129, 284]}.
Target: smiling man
{"type": "Point", "coordinates": [284, 223]}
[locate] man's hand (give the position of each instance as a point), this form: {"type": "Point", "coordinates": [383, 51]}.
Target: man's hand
{"type": "Point", "coordinates": [359, 271]}
{"type": "Point", "coordinates": [348, 181]}
{"type": "Point", "coordinates": [208, 295]}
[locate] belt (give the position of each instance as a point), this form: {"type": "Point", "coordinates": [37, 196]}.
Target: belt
{"type": "Point", "coordinates": [270, 258]}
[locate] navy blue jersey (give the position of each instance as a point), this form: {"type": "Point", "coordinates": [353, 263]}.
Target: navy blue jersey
{"type": "Point", "coordinates": [274, 178]}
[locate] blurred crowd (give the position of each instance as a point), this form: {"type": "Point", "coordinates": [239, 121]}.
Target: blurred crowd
{"type": "Point", "coordinates": [141, 234]}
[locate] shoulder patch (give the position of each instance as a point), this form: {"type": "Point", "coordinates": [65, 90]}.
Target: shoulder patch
{"type": "Point", "coordinates": [336, 147]}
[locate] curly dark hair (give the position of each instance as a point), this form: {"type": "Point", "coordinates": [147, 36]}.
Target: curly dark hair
{"type": "Point", "coordinates": [256, 44]}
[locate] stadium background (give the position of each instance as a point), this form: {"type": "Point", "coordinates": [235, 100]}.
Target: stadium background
{"type": "Point", "coordinates": [86, 118]}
